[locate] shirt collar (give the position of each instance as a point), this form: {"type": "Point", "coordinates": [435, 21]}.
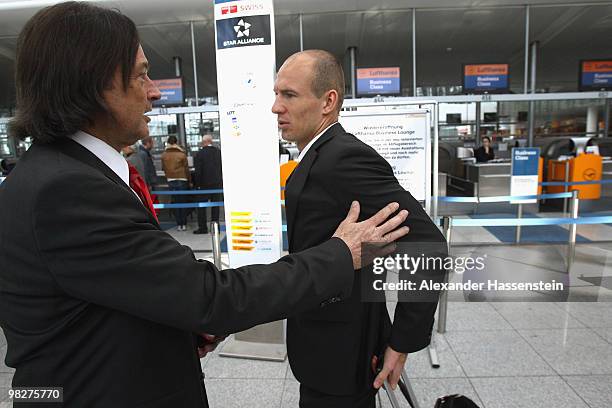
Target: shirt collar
{"type": "Point", "coordinates": [305, 150]}
{"type": "Point", "coordinates": [109, 156]}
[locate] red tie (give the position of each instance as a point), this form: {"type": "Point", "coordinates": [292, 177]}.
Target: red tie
{"type": "Point", "coordinates": [139, 186]}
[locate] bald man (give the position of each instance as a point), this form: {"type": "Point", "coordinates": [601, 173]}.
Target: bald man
{"type": "Point", "coordinates": [332, 348]}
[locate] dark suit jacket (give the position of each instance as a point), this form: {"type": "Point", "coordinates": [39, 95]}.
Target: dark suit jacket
{"type": "Point", "coordinates": [330, 347]}
{"type": "Point", "coordinates": [95, 298]}
{"type": "Point", "coordinates": [207, 164]}
{"type": "Point", "coordinates": [482, 156]}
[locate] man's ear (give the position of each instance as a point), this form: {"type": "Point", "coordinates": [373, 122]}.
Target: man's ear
{"type": "Point", "coordinates": [331, 101]}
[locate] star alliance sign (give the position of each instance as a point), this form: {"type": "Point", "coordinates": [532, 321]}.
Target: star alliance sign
{"type": "Point", "coordinates": [240, 32]}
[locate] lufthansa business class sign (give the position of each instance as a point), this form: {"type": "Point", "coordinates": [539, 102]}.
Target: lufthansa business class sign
{"type": "Point", "coordinates": [485, 77]}
{"type": "Point", "coordinates": [243, 31]}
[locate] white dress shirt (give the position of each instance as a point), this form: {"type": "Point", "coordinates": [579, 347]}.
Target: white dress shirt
{"type": "Point", "coordinates": [109, 156]}
{"type": "Point", "coordinates": [305, 150]}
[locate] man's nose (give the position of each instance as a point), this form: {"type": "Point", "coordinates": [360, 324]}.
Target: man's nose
{"type": "Point", "coordinates": [154, 94]}
{"type": "Point", "coordinates": [276, 107]}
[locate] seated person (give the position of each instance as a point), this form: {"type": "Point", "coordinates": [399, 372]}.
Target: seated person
{"type": "Point", "coordinates": [485, 152]}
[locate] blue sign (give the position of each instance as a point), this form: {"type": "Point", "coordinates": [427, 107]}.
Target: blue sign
{"type": "Point", "coordinates": [525, 161]}
{"type": "Point", "coordinates": [485, 77]}
{"type": "Point", "coordinates": [596, 75]}
{"type": "Point", "coordinates": [171, 91]}
{"type": "Point", "coordinates": [378, 81]}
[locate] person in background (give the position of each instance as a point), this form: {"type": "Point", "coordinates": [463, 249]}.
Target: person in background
{"type": "Point", "coordinates": [174, 164]}
{"type": "Point", "coordinates": [148, 168]}
{"type": "Point", "coordinates": [485, 152]}
{"type": "Point", "coordinates": [208, 176]}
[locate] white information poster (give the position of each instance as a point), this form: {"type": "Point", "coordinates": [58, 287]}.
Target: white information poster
{"type": "Point", "coordinates": [245, 49]}
{"type": "Point", "coordinates": [402, 139]}
{"type": "Point", "coordinates": [525, 173]}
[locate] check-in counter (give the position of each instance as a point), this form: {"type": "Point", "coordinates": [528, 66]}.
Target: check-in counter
{"type": "Point", "coordinates": [490, 179]}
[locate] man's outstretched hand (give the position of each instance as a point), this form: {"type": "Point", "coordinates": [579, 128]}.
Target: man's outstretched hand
{"type": "Point", "coordinates": [376, 229]}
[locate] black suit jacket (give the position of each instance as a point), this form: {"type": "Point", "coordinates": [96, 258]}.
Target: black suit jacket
{"type": "Point", "coordinates": [330, 347]}
{"type": "Point", "coordinates": [95, 298]}
{"type": "Point", "coordinates": [207, 164]}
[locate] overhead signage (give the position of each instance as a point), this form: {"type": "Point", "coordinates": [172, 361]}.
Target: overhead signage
{"type": "Point", "coordinates": [485, 78]}
{"type": "Point", "coordinates": [596, 75]}
{"type": "Point", "coordinates": [378, 81]}
{"type": "Point", "coordinates": [171, 92]}
{"type": "Point", "coordinates": [525, 172]}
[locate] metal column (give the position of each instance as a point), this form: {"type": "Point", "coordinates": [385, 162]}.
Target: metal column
{"type": "Point", "coordinates": [216, 244]}
{"type": "Point", "coordinates": [477, 129]}
{"type": "Point", "coordinates": [195, 66]}
{"type": "Point", "coordinates": [526, 76]}
{"type": "Point", "coordinates": [443, 303]}
{"type": "Point", "coordinates": [531, 118]}
{"type": "Point", "coordinates": [352, 51]}
{"type": "Point", "coordinates": [301, 34]}
{"type": "Point", "coordinates": [414, 79]}
{"type": "Point", "coordinates": [571, 245]}
{"type": "Point", "coordinates": [180, 118]}
{"type": "Point", "coordinates": [606, 117]}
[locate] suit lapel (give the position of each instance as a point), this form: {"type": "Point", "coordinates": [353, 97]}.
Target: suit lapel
{"type": "Point", "coordinates": [78, 152]}
{"type": "Point", "coordinates": [297, 179]}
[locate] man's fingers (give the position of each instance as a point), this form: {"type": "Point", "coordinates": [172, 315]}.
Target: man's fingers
{"type": "Point", "coordinates": [397, 234]}
{"type": "Point", "coordinates": [393, 223]}
{"type": "Point", "coordinates": [394, 377]}
{"type": "Point", "coordinates": [383, 214]}
{"type": "Point", "coordinates": [381, 377]}
{"type": "Point", "coordinates": [353, 214]}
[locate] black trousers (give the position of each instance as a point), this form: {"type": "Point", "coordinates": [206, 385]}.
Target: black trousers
{"type": "Point", "coordinates": [214, 211]}
{"type": "Point", "coordinates": [310, 398]}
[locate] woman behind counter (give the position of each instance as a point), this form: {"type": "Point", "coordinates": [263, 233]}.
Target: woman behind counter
{"type": "Point", "coordinates": [485, 152]}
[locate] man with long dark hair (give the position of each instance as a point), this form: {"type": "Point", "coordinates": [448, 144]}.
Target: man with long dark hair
{"type": "Point", "coordinates": [94, 297]}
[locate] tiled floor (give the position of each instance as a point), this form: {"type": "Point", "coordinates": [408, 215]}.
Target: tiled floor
{"type": "Point", "coordinates": [502, 355]}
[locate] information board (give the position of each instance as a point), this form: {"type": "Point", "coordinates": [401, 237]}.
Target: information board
{"type": "Point", "coordinates": [481, 78]}
{"type": "Point", "coordinates": [171, 92]}
{"type": "Point", "coordinates": [596, 75]}
{"type": "Point", "coordinates": [524, 179]}
{"type": "Point", "coordinates": [403, 139]}
{"type": "Point", "coordinates": [245, 45]}
{"type": "Point", "coordinates": [378, 81]}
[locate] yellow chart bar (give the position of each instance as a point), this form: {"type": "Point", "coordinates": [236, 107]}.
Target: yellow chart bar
{"type": "Point", "coordinates": [242, 248]}
{"type": "Point", "coordinates": [242, 227]}
{"type": "Point", "coordinates": [242, 221]}
{"type": "Point", "coordinates": [242, 234]}
{"type": "Point", "coordinates": [242, 241]}
{"type": "Point", "coordinates": [241, 214]}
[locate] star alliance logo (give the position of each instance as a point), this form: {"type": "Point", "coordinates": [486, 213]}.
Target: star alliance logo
{"type": "Point", "coordinates": [242, 29]}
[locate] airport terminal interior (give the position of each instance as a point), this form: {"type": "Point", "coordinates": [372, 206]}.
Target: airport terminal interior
{"type": "Point", "coordinates": [527, 351]}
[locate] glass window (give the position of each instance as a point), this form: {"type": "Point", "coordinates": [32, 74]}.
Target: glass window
{"type": "Point", "coordinates": [448, 38]}
{"type": "Point", "coordinates": [566, 35]}
{"type": "Point", "coordinates": [7, 74]}
{"type": "Point", "coordinates": [206, 60]}
{"type": "Point", "coordinates": [382, 39]}
{"type": "Point", "coordinates": [162, 42]}
{"type": "Point", "coordinates": [287, 29]}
